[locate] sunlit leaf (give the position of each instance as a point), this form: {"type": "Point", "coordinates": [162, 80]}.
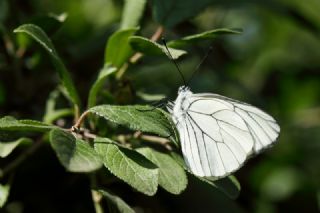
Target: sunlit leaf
{"type": "Point", "coordinates": [74, 154]}
{"type": "Point", "coordinates": [150, 97]}
{"type": "Point", "coordinates": [4, 193]}
{"type": "Point", "coordinates": [9, 123]}
{"type": "Point", "coordinates": [7, 147]}
{"type": "Point", "coordinates": [137, 117]}
{"type": "Point", "coordinates": [149, 47]}
{"type": "Point", "coordinates": [118, 49]}
{"type": "Point", "coordinates": [132, 13]}
{"type": "Point", "coordinates": [128, 165]}
{"type": "Point", "coordinates": [172, 176]}
{"type": "Point", "coordinates": [41, 37]}
{"type": "Point", "coordinates": [207, 35]}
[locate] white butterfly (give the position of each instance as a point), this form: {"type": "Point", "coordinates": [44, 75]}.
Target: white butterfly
{"type": "Point", "coordinates": [217, 133]}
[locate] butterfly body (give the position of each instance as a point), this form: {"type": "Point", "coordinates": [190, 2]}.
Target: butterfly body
{"type": "Point", "coordinates": [217, 134]}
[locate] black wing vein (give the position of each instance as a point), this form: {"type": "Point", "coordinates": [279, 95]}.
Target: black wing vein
{"type": "Point", "coordinates": [197, 143]}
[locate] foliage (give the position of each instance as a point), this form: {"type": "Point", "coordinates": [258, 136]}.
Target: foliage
{"type": "Point", "coordinates": [91, 130]}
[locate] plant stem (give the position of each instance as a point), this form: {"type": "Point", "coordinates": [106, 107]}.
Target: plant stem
{"type": "Point", "coordinates": [150, 138]}
{"type": "Point", "coordinates": [76, 112]}
{"type": "Point", "coordinates": [96, 196]}
{"type": "Point", "coordinates": [21, 158]}
{"type": "Point", "coordinates": [80, 120]}
{"type": "Point", "coordinates": [156, 36]}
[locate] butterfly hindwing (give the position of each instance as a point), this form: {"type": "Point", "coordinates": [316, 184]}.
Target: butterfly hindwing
{"type": "Point", "coordinates": [218, 133]}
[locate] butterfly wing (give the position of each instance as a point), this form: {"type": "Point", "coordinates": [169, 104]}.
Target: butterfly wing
{"type": "Point", "coordinates": [218, 133]}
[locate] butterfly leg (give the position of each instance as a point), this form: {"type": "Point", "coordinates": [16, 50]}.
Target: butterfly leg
{"type": "Point", "coordinates": [158, 104]}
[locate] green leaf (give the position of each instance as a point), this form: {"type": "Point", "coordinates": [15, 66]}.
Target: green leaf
{"type": "Point", "coordinates": [149, 47]}
{"type": "Point", "coordinates": [51, 113]}
{"type": "Point", "coordinates": [9, 123]}
{"type": "Point", "coordinates": [118, 50]}
{"type": "Point", "coordinates": [208, 35]}
{"type": "Point", "coordinates": [96, 87]}
{"type": "Point", "coordinates": [172, 176]}
{"type": "Point", "coordinates": [150, 97]}
{"type": "Point", "coordinates": [128, 165]}
{"type": "Point", "coordinates": [74, 154]}
{"type": "Point", "coordinates": [169, 13]}
{"type": "Point", "coordinates": [132, 13]}
{"type": "Point", "coordinates": [7, 147]}
{"type": "Point", "coordinates": [56, 114]}
{"type": "Point", "coordinates": [41, 37]}
{"type": "Point", "coordinates": [137, 117]}
{"type": "Point", "coordinates": [179, 159]}
{"type": "Point", "coordinates": [117, 202]}
{"type": "Point", "coordinates": [228, 185]}
{"type": "Point", "coordinates": [4, 193]}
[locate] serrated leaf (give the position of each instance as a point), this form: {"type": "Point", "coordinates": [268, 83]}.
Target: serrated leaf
{"type": "Point", "coordinates": [9, 123]}
{"type": "Point", "coordinates": [137, 117]}
{"type": "Point", "coordinates": [4, 193]}
{"type": "Point", "coordinates": [7, 147]}
{"type": "Point", "coordinates": [169, 13]}
{"type": "Point", "coordinates": [172, 176]}
{"type": "Point", "coordinates": [74, 154]}
{"type": "Point", "coordinates": [41, 37]}
{"type": "Point", "coordinates": [132, 13]}
{"type": "Point", "coordinates": [118, 49]}
{"type": "Point", "coordinates": [149, 47]}
{"type": "Point", "coordinates": [106, 71]}
{"type": "Point", "coordinates": [117, 202]}
{"type": "Point", "coordinates": [128, 165]}
{"type": "Point", "coordinates": [208, 35]}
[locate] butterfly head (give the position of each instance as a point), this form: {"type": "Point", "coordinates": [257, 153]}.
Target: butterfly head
{"type": "Point", "coordinates": [183, 89]}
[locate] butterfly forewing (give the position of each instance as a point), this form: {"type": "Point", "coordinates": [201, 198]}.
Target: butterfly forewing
{"type": "Point", "coordinates": [263, 128]}
{"type": "Point", "coordinates": [218, 133]}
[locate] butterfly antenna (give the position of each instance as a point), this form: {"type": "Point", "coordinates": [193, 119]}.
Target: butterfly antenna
{"type": "Point", "coordinates": [174, 61]}
{"type": "Point", "coordinates": [201, 62]}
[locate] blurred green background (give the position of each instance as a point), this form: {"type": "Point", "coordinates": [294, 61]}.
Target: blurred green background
{"type": "Point", "coordinates": [274, 64]}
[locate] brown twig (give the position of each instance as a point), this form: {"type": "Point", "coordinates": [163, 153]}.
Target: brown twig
{"type": "Point", "coordinates": [150, 138]}
{"type": "Point", "coordinates": [156, 36]}
{"type": "Point", "coordinates": [80, 120]}
{"type": "Point", "coordinates": [158, 140]}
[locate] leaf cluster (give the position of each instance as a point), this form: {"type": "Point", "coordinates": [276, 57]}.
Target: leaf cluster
{"type": "Point", "coordinates": [148, 156]}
